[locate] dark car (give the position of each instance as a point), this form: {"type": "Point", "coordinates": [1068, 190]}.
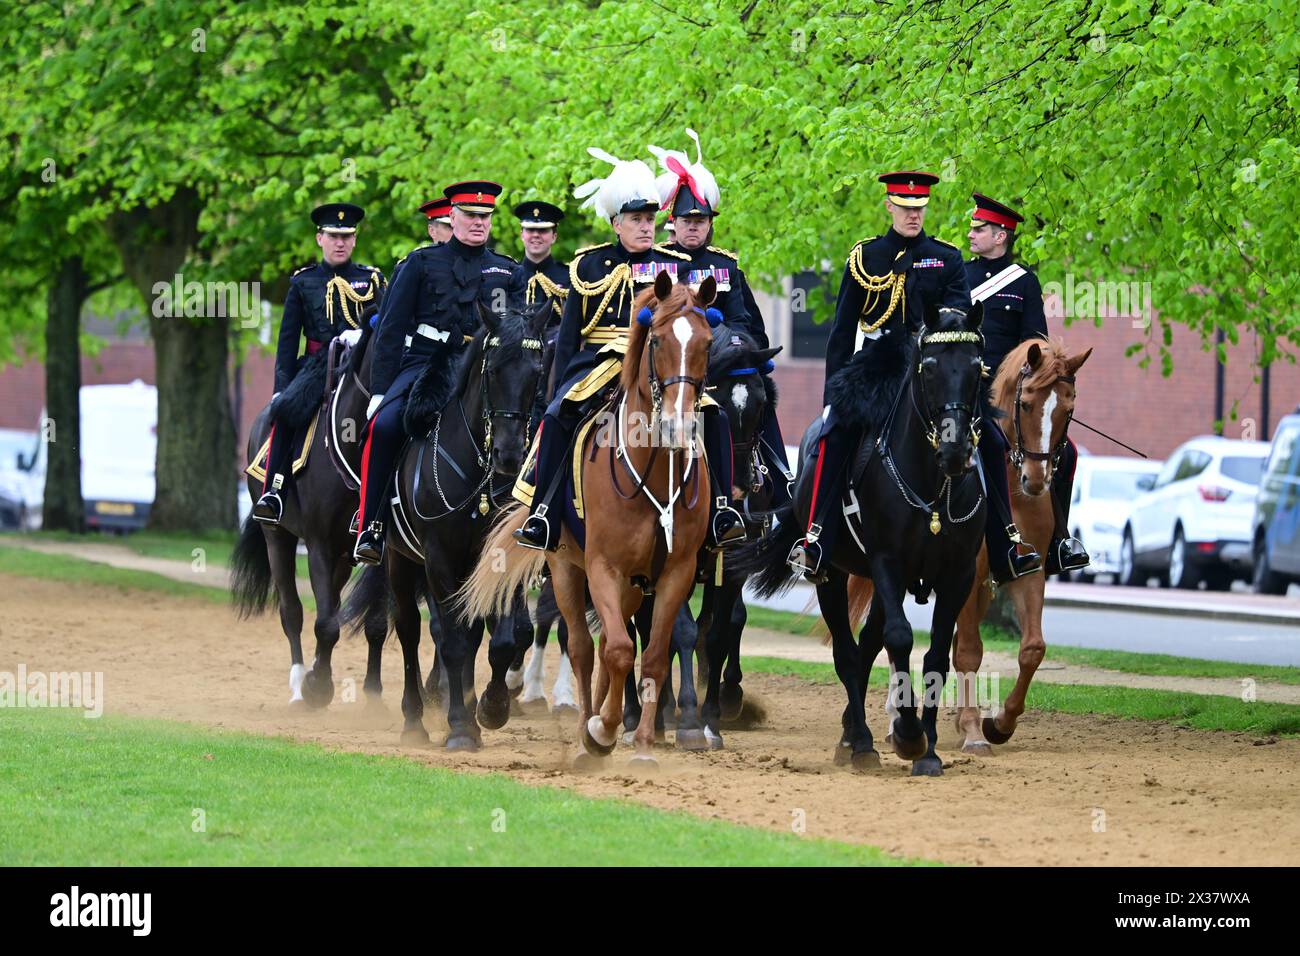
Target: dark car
{"type": "Point", "coordinates": [1276, 539]}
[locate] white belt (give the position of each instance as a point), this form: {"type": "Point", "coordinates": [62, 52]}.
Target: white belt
{"type": "Point", "coordinates": [429, 332]}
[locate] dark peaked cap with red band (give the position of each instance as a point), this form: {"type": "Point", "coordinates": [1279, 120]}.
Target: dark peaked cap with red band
{"type": "Point", "coordinates": [439, 209]}
{"type": "Point", "coordinates": [908, 188]}
{"type": "Point", "coordinates": [476, 195]}
{"type": "Point", "coordinates": [993, 212]}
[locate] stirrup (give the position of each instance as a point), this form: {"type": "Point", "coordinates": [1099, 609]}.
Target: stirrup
{"type": "Point", "coordinates": [269, 508]}
{"type": "Point", "coordinates": [1018, 565]}
{"type": "Point", "coordinates": [369, 548]}
{"type": "Point", "coordinates": [355, 527]}
{"type": "Point", "coordinates": [1067, 554]}
{"type": "Point", "coordinates": [732, 535]}
{"type": "Point", "coordinates": [535, 532]}
{"type": "Point", "coordinates": [806, 558]}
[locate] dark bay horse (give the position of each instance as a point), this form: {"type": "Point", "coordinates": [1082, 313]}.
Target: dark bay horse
{"type": "Point", "coordinates": [318, 509]}
{"type": "Point", "coordinates": [915, 515]}
{"type": "Point", "coordinates": [648, 539]}
{"type": "Point", "coordinates": [449, 486]}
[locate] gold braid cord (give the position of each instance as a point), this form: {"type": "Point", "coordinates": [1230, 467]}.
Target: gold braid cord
{"type": "Point", "coordinates": [347, 295]}
{"type": "Point", "coordinates": [875, 287]}
{"type": "Point", "coordinates": [619, 280]}
{"type": "Point", "coordinates": [549, 289]}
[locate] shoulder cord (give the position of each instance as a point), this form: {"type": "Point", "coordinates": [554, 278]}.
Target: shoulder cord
{"type": "Point", "coordinates": [617, 281]}
{"type": "Point", "coordinates": [875, 286]}
{"type": "Point", "coordinates": [346, 294]}
{"type": "Point", "coordinates": [552, 289]}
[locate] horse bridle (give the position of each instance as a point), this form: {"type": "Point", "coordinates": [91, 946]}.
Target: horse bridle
{"type": "Point", "coordinates": [657, 387]}
{"type": "Point", "coordinates": [946, 338]}
{"type": "Point", "coordinates": [1018, 452]}
{"type": "Point", "coordinates": [490, 414]}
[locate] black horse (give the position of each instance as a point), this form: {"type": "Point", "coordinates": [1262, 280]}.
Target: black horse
{"type": "Point", "coordinates": [736, 382]}
{"type": "Point", "coordinates": [915, 513]}
{"type": "Point", "coordinates": [449, 485]}
{"type": "Point", "coordinates": [318, 508]}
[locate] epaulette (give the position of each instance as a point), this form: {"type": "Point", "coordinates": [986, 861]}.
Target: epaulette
{"type": "Point", "coordinates": [586, 249]}
{"type": "Point", "coordinates": [724, 252]}
{"type": "Point", "coordinates": [301, 269]}
{"type": "Point", "coordinates": [948, 244]}
{"type": "Point", "coordinates": [671, 252]}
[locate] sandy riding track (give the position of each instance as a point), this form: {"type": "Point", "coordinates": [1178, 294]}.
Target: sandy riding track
{"type": "Point", "coordinates": [1168, 795]}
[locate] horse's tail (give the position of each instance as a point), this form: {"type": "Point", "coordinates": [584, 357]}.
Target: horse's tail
{"type": "Point", "coordinates": [765, 558]}
{"type": "Point", "coordinates": [503, 568]}
{"type": "Point", "coordinates": [367, 595]}
{"type": "Point", "coordinates": [860, 593]}
{"type": "Point", "coordinates": [250, 571]}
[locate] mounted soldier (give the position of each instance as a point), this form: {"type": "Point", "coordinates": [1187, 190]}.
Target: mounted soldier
{"type": "Point", "coordinates": [437, 213]}
{"type": "Point", "coordinates": [540, 276]}
{"type": "Point", "coordinates": [430, 312]}
{"type": "Point", "coordinates": [325, 299]}
{"type": "Point", "coordinates": [1013, 312]}
{"type": "Point", "coordinates": [593, 337]}
{"type": "Point", "coordinates": [691, 226]}
{"type": "Point", "coordinates": [888, 284]}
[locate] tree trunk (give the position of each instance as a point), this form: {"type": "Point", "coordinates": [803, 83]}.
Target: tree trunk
{"type": "Point", "coordinates": [63, 509]}
{"type": "Point", "coordinates": [196, 470]}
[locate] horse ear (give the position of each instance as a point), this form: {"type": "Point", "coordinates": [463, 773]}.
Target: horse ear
{"type": "Point", "coordinates": [932, 316]}
{"type": "Point", "coordinates": [488, 317]}
{"type": "Point", "coordinates": [707, 292]}
{"type": "Point", "coordinates": [766, 355]}
{"type": "Point", "coordinates": [1034, 355]}
{"type": "Point", "coordinates": [1075, 362]}
{"type": "Point", "coordinates": [975, 316]}
{"type": "Point", "coordinates": [663, 285]}
{"type": "Point", "coordinates": [538, 318]}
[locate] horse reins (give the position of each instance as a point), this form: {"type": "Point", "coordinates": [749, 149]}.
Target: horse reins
{"type": "Point", "coordinates": [1019, 452]}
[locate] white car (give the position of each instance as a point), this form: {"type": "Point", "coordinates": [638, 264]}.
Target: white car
{"type": "Point", "coordinates": [1105, 488]}
{"type": "Point", "coordinates": [1194, 522]}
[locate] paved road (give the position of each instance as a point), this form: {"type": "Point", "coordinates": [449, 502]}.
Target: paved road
{"type": "Point", "coordinates": [1171, 630]}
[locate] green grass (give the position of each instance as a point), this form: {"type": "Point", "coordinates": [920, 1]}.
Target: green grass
{"type": "Point", "coordinates": [1002, 641]}
{"type": "Point", "coordinates": [216, 546]}
{"type": "Point", "coordinates": [1198, 711]}
{"type": "Point", "coordinates": [17, 560]}
{"type": "Point", "coordinates": [123, 791]}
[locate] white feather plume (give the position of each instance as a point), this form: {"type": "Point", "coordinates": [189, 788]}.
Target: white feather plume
{"type": "Point", "coordinates": [666, 183]}
{"type": "Point", "coordinates": [628, 181]}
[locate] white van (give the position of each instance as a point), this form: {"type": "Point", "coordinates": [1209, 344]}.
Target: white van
{"type": "Point", "coordinates": [119, 444]}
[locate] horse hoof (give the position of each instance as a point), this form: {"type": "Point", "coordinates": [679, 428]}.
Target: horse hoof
{"type": "Point", "coordinates": [584, 762]}
{"type": "Point", "coordinates": [865, 760]}
{"type": "Point", "coordinates": [641, 763]}
{"type": "Point", "coordinates": [297, 704]}
{"type": "Point", "coordinates": [908, 748]}
{"type": "Point", "coordinates": [537, 707]}
{"type": "Point", "coordinates": [927, 767]}
{"type": "Point", "coordinates": [843, 753]}
{"type": "Point", "coordinates": [463, 742]}
{"type": "Point", "coordinates": [415, 737]}
{"type": "Point", "coordinates": [493, 709]}
{"type": "Point", "coordinates": [731, 698]}
{"type": "Point", "coordinates": [714, 739]}
{"type": "Point", "coordinates": [593, 746]}
{"type": "Point", "coordinates": [563, 710]}
{"type": "Point", "coordinates": [317, 690]}
{"type": "Point", "coordinates": [692, 740]}
{"type": "Point", "coordinates": [670, 720]}
{"type": "Point", "coordinates": [977, 748]}
{"type": "Point", "coordinates": [992, 734]}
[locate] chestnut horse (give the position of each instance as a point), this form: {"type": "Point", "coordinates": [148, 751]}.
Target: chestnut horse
{"type": "Point", "coordinates": [1034, 392]}
{"type": "Point", "coordinates": [644, 539]}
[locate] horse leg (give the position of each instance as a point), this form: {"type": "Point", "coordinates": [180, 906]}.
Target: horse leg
{"type": "Point", "coordinates": [855, 745]}
{"type": "Point", "coordinates": [685, 636]}
{"type": "Point", "coordinates": [615, 603]}
{"type": "Point", "coordinates": [282, 550]}
{"type": "Point", "coordinates": [328, 575]}
{"type": "Point", "coordinates": [403, 578]}
{"type": "Point", "coordinates": [435, 686]}
{"type": "Point", "coordinates": [667, 716]}
{"type": "Point", "coordinates": [522, 634]}
{"type": "Point", "coordinates": [906, 733]}
{"type": "Point", "coordinates": [562, 692]}
{"type": "Point", "coordinates": [631, 699]}
{"type": "Point", "coordinates": [494, 705]}
{"type": "Point", "coordinates": [569, 582]}
{"type": "Point", "coordinates": [1027, 598]}
{"type": "Point", "coordinates": [733, 696]}
{"type": "Point", "coordinates": [949, 597]}
{"type": "Point", "coordinates": [533, 697]}
{"type": "Point", "coordinates": [376, 625]}
{"type": "Point", "coordinates": [671, 589]}
{"type": "Point", "coordinates": [967, 656]}
{"type": "Point", "coordinates": [716, 639]}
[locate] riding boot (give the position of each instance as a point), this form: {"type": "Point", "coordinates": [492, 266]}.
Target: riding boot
{"type": "Point", "coordinates": [378, 458]}
{"type": "Point", "coordinates": [1003, 540]}
{"type": "Point", "coordinates": [771, 445]}
{"type": "Point", "coordinates": [726, 526]}
{"type": "Point", "coordinates": [539, 531]}
{"type": "Point", "coordinates": [1067, 552]}
{"type": "Point", "coordinates": [270, 506]}
{"type": "Point", "coordinates": [810, 555]}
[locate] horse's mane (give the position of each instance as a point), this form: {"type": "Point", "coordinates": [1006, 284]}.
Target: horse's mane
{"type": "Point", "coordinates": [678, 300]}
{"type": "Point", "coordinates": [1050, 368]}
{"type": "Point", "coordinates": [512, 329]}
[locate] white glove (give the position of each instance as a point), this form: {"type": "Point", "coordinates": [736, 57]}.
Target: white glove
{"type": "Point", "coordinates": [351, 336]}
{"type": "Point", "coordinates": [275, 396]}
{"type": "Point", "coordinates": [374, 404]}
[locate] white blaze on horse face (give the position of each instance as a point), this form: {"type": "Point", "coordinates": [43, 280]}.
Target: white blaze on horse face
{"type": "Point", "coordinates": [682, 331]}
{"type": "Point", "coordinates": [1049, 406]}
{"type": "Point", "coordinates": [739, 396]}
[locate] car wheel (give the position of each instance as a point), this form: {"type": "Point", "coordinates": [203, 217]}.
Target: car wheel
{"type": "Point", "coordinates": [1182, 572]}
{"type": "Point", "coordinates": [1265, 580]}
{"type": "Point", "coordinates": [1128, 563]}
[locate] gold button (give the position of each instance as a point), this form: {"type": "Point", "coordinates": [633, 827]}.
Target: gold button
{"type": "Point", "coordinates": [606, 262]}
{"type": "Point", "coordinates": [988, 275]}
